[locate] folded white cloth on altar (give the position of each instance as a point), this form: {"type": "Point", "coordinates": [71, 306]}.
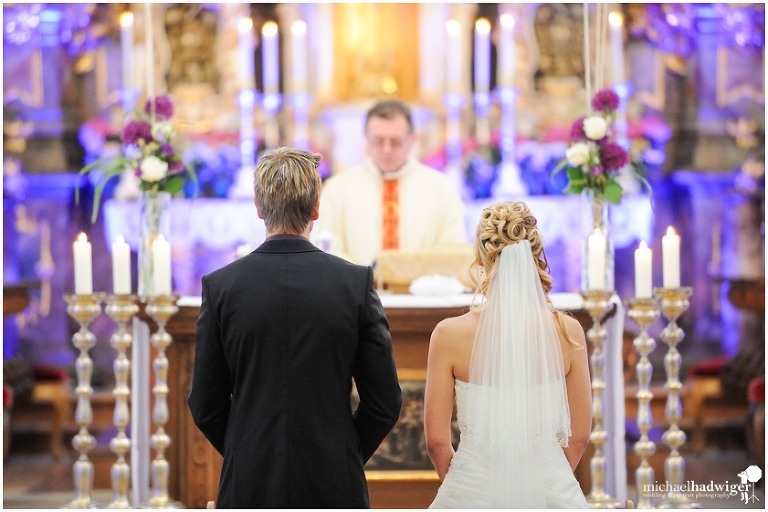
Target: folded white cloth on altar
{"type": "Point", "coordinates": [436, 285]}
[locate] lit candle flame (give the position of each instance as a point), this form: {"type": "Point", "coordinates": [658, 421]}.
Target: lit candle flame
{"type": "Point", "coordinates": [298, 27]}
{"type": "Point", "coordinates": [126, 19]}
{"type": "Point", "coordinates": [615, 19]}
{"type": "Point", "coordinates": [82, 238]}
{"type": "Point", "coordinates": [507, 20]}
{"type": "Point", "coordinates": [269, 29]}
{"type": "Point", "coordinates": [453, 27]}
{"type": "Point", "coordinates": [483, 26]}
{"type": "Point", "coordinates": [245, 25]}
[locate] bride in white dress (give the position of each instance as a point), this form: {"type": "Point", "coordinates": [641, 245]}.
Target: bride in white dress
{"type": "Point", "coordinates": [519, 373]}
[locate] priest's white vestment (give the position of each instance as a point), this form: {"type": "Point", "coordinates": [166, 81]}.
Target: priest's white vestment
{"type": "Point", "coordinates": [431, 213]}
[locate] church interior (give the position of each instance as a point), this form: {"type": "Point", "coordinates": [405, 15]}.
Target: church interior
{"type": "Point", "coordinates": [494, 90]}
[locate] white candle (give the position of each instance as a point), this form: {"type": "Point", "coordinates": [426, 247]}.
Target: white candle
{"type": "Point", "coordinates": [245, 47]}
{"type": "Point", "coordinates": [643, 280]}
{"type": "Point", "coordinates": [617, 46]}
{"type": "Point", "coordinates": [161, 261]}
{"type": "Point", "coordinates": [506, 65]}
{"type": "Point", "coordinates": [482, 55]}
{"type": "Point", "coordinates": [596, 260]}
{"type": "Point", "coordinates": [670, 251]}
{"type": "Point", "coordinates": [299, 56]}
{"type": "Point", "coordinates": [453, 54]}
{"type": "Point", "coordinates": [83, 267]}
{"type": "Point", "coordinates": [269, 57]}
{"type": "Point", "coordinates": [121, 267]}
{"type": "Point", "coordinates": [126, 47]}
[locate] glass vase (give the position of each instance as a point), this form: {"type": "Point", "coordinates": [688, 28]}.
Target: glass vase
{"type": "Point", "coordinates": [154, 207]}
{"type": "Point", "coordinates": [596, 215]}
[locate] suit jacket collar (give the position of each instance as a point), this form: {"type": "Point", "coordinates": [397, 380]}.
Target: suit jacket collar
{"type": "Point", "coordinates": [282, 246]}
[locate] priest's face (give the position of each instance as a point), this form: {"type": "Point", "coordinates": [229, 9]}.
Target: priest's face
{"type": "Point", "coordinates": [389, 142]}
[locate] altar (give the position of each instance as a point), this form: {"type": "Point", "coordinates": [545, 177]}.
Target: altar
{"type": "Point", "coordinates": [195, 464]}
{"type": "Point", "coordinates": [206, 232]}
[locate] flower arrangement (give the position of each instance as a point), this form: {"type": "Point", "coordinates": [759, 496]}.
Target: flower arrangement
{"type": "Point", "coordinates": [148, 149]}
{"type": "Point", "coordinates": [593, 160]}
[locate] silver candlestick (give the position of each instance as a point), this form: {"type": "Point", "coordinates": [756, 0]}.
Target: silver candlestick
{"type": "Point", "coordinates": [644, 312]}
{"type": "Point", "coordinates": [83, 308]}
{"type": "Point", "coordinates": [161, 308]}
{"type": "Point", "coordinates": [597, 303]}
{"type": "Point", "coordinates": [674, 302]}
{"type": "Point", "coordinates": [121, 309]}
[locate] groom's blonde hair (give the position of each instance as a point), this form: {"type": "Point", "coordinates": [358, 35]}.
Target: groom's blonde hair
{"type": "Point", "coordinates": [287, 186]}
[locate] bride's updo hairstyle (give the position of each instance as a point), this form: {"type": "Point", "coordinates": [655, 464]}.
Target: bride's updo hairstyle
{"type": "Point", "coordinates": [503, 224]}
{"type": "Point", "coordinates": [500, 225]}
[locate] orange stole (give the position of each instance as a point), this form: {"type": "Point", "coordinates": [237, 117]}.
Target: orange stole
{"type": "Point", "coordinates": [390, 216]}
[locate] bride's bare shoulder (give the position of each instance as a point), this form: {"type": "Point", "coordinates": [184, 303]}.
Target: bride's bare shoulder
{"type": "Point", "coordinates": [457, 328]}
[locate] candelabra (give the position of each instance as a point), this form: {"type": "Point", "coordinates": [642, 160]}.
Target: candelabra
{"type": "Point", "coordinates": [674, 302]}
{"type": "Point", "coordinates": [83, 308]}
{"type": "Point", "coordinates": [121, 309]}
{"type": "Point", "coordinates": [644, 312]}
{"type": "Point", "coordinates": [300, 104]}
{"type": "Point", "coordinates": [271, 103]}
{"type": "Point", "coordinates": [160, 308]}
{"type": "Point", "coordinates": [482, 123]}
{"type": "Point", "coordinates": [597, 303]}
{"type": "Point", "coordinates": [246, 100]}
{"type": "Point", "coordinates": [454, 102]}
{"type": "Point", "coordinates": [508, 181]}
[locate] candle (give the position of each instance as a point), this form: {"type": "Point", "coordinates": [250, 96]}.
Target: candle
{"type": "Point", "coordinates": [121, 267]}
{"type": "Point", "coordinates": [453, 53]}
{"type": "Point", "coordinates": [299, 56]}
{"type": "Point", "coordinates": [506, 66]}
{"type": "Point", "coordinates": [596, 260]}
{"type": "Point", "coordinates": [643, 272]}
{"type": "Point", "coordinates": [83, 268]}
{"type": "Point", "coordinates": [617, 46]}
{"type": "Point", "coordinates": [126, 47]}
{"type": "Point", "coordinates": [269, 57]}
{"type": "Point", "coordinates": [245, 47]}
{"type": "Point", "coordinates": [161, 261]}
{"type": "Point", "coordinates": [482, 55]}
{"type": "Point", "coordinates": [670, 251]}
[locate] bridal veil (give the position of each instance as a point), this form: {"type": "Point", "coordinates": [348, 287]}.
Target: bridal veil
{"type": "Point", "coordinates": [521, 411]}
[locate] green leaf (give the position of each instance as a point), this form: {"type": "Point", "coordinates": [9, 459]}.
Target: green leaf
{"type": "Point", "coordinates": [173, 184]}
{"type": "Point", "coordinates": [574, 189]}
{"type": "Point", "coordinates": [575, 173]}
{"type": "Point", "coordinates": [613, 192]}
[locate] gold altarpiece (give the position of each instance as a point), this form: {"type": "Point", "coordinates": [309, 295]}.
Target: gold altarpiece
{"type": "Point", "coordinates": [375, 51]}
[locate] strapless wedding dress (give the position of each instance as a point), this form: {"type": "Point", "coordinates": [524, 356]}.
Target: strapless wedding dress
{"type": "Point", "coordinates": [466, 483]}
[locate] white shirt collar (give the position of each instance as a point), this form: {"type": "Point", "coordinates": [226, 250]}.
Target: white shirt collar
{"type": "Point", "coordinates": [390, 175]}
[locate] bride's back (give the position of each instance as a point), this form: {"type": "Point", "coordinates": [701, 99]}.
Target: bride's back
{"type": "Point", "coordinates": [458, 334]}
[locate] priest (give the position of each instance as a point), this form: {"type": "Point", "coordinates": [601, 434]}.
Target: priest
{"type": "Point", "coordinates": [390, 201]}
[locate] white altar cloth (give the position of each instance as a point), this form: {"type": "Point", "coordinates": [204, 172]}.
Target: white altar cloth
{"type": "Point", "coordinates": [613, 398]}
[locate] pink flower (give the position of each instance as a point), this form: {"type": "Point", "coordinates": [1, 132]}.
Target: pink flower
{"type": "Point", "coordinates": [605, 100]}
{"type": "Point", "coordinates": [163, 108]}
{"type": "Point", "coordinates": [577, 130]}
{"type": "Point", "coordinates": [596, 170]}
{"type": "Point", "coordinates": [167, 149]}
{"type": "Point", "coordinates": [175, 167]}
{"type": "Point", "coordinates": [613, 156]}
{"type": "Point", "coordinates": [135, 131]}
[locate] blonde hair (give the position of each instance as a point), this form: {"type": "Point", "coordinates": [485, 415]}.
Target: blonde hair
{"type": "Point", "coordinates": [287, 186]}
{"type": "Point", "coordinates": [503, 224]}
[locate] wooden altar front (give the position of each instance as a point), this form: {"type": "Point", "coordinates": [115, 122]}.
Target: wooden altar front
{"type": "Point", "coordinates": [196, 465]}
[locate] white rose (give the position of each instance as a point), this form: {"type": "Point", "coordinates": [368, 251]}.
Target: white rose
{"type": "Point", "coordinates": [577, 154]}
{"type": "Point", "coordinates": [595, 127]}
{"type": "Point", "coordinates": [153, 169]}
{"type": "Point", "coordinates": [162, 132]}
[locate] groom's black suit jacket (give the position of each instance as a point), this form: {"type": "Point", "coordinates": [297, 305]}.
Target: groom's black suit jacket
{"type": "Point", "coordinates": [281, 333]}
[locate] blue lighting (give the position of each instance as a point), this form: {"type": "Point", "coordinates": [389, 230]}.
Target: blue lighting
{"type": "Point", "coordinates": [246, 98]}
{"type": "Point", "coordinates": [50, 16]}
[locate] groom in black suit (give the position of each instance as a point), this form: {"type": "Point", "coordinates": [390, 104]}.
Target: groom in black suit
{"type": "Point", "coordinates": [281, 334]}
